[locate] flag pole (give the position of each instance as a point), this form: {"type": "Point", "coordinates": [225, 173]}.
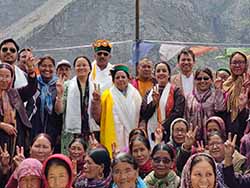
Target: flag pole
{"type": "Point", "coordinates": [137, 31]}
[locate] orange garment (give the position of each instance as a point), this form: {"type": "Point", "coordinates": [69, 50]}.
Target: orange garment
{"type": "Point", "coordinates": [143, 87]}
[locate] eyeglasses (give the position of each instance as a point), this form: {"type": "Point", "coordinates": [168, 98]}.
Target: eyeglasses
{"type": "Point", "coordinates": [215, 144]}
{"type": "Point", "coordinates": [102, 53]}
{"type": "Point", "coordinates": [12, 50]}
{"type": "Point", "coordinates": [238, 62]}
{"type": "Point", "coordinates": [202, 78]}
{"type": "Point", "coordinates": [158, 160]}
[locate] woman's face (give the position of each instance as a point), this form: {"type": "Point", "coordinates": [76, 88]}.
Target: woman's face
{"type": "Point", "coordinates": [238, 65]}
{"type": "Point", "coordinates": [58, 176]}
{"type": "Point", "coordinates": [216, 148]}
{"type": "Point", "coordinates": [202, 175]}
{"type": "Point", "coordinates": [161, 74]}
{"type": "Point", "coordinates": [47, 69]}
{"type": "Point", "coordinates": [5, 79]}
{"type": "Point", "coordinates": [124, 175]}
{"type": "Point", "coordinates": [82, 67]}
{"type": "Point", "coordinates": [212, 126]}
{"type": "Point", "coordinates": [76, 151]}
{"type": "Point", "coordinates": [162, 163]}
{"type": "Point", "coordinates": [140, 152]}
{"type": "Point", "coordinates": [203, 82]}
{"type": "Point", "coordinates": [121, 80]}
{"type": "Point", "coordinates": [41, 149]}
{"type": "Point", "coordinates": [179, 132]}
{"type": "Point", "coordinates": [29, 182]}
{"type": "Point", "coordinates": [92, 170]}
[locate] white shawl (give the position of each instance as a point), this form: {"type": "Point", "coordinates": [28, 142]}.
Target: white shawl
{"type": "Point", "coordinates": [126, 112]}
{"type": "Point", "coordinates": [73, 107]}
{"type": "Point", "coordinates": [153, 121]}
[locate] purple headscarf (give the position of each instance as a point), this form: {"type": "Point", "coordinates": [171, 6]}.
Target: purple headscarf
{"type": "Point", "coordinates": [220, 122]}
{"type": "Point", "coordinates": [28, 167]}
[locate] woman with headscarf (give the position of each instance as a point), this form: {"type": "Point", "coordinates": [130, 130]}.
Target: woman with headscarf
{"type": "Point", "coordinates": [235, 88]}
{"type": "Point", "coordinates": [28, 174]}
{"type": "Point", "coordinates": [201, 171]}
{"type": "Point", "coordinates": [58, 172]}
{"type": "Point", "coordinates": [96, 170]}
{"type": "Point", "coordinates": [204, 101]}
{"type": "Point", "coordinates": [178, 130]}
{"type": "Point", "coordinates": [119, 109]}
{"type": "Point", "coordinates": [15, 125]}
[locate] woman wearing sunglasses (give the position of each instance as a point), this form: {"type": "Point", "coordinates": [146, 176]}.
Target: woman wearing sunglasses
{"type": "Point", "coordinates": [205, 100]}
{"type": "Point", "coordinates": [162, 175]}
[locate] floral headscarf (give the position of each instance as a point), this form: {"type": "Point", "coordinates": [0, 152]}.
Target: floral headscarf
{"type": "Point", "coordinates": [28, 167]}
{"type": "Point", "coordinates": [186, 173]}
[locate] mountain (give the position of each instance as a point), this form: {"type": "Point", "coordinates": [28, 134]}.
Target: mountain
{"type": "Point", "coordinates": [47, 24]}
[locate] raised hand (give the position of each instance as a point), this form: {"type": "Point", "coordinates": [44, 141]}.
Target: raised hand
{"type": "Point", "coordinates": [158, 135]}
{"type": "Point", "coordinates": [4, 156]}
{"type": "Point", "coordinates": [74, 164]}
{"type": "Point", "coordinates": [156, 95]}
{"type": "Point", "coordinates": [30, 62]}
{"type": "Point", "coordinates": [200, 147]}
{"type": "Point", "coordinates": [230, 146]}
{"type": "Point", "coordinates": [60, 86]}
{"type": "Point", "coordinates": [19, 157]}
{"type": "Point", "coordinates": [246, 80]}
{"type": "Point", "coordinates": [190, 137]}
{"type": "Point", "coordinates": [93, 143]}
{"type": "Point", "coordinates": [218, 82]}
{"type": "Point", "coordinates": [243, 98]}
{"type": "Point", "coordinates": [9, 129]}
{"type": "Point", "coordinates": [96, 93]}
{"type": "Point", "coordinates": [115, 150]}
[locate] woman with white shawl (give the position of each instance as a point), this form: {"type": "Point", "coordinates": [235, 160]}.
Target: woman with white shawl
{"type": "Point", "coordinates": [73, 100]}
{"type": "Point", "coordinates": [162, 104]}
{"type": "Point", "coordinates": [119, 110]}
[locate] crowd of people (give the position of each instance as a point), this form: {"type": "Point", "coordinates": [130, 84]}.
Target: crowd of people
{"type": "Point", "coordinates": [91, 125]}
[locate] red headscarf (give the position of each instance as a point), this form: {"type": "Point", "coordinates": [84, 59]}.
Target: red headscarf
{"type": "Point", "coordinates": [67, 161]}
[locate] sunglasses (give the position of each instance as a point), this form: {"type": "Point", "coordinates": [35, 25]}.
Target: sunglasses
{"type": "Point", "coordinates": [202, 78]}
{"type": "Point", "coordinates": [12, 50]}
{"type": "Point", "coordinates": [102, 53]}
{"type": "Point", "coordinates": [164, 160]}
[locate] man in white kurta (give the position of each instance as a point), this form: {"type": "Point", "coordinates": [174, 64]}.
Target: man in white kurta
{"type": "Point", "coordinates": [100, 73]}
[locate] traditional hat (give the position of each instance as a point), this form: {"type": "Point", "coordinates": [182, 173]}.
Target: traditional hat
{"type": "Point", "coordinates": [102, 44]}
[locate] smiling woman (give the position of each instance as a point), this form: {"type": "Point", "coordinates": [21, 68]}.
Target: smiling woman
{"type": "Point", "coordinates": [124, 102]}
{"type": "Point", "coordinates": [162, 104]}
{"type": "Point", "coordinates": [204, 102]}
{"type": "Point", "coordinates": [125, 172]}
{"type": "Point", "coordinates": [200, 171]}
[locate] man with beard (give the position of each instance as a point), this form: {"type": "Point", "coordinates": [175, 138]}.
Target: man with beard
{"type": "Point", "coordinates": [185, 79]}
{"type": "Point", "coordinates": [8, 54]}
{"type": "Point", "coordinates": [100, 74]}
{"type": "Point", "coordinates": [63, 69]}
